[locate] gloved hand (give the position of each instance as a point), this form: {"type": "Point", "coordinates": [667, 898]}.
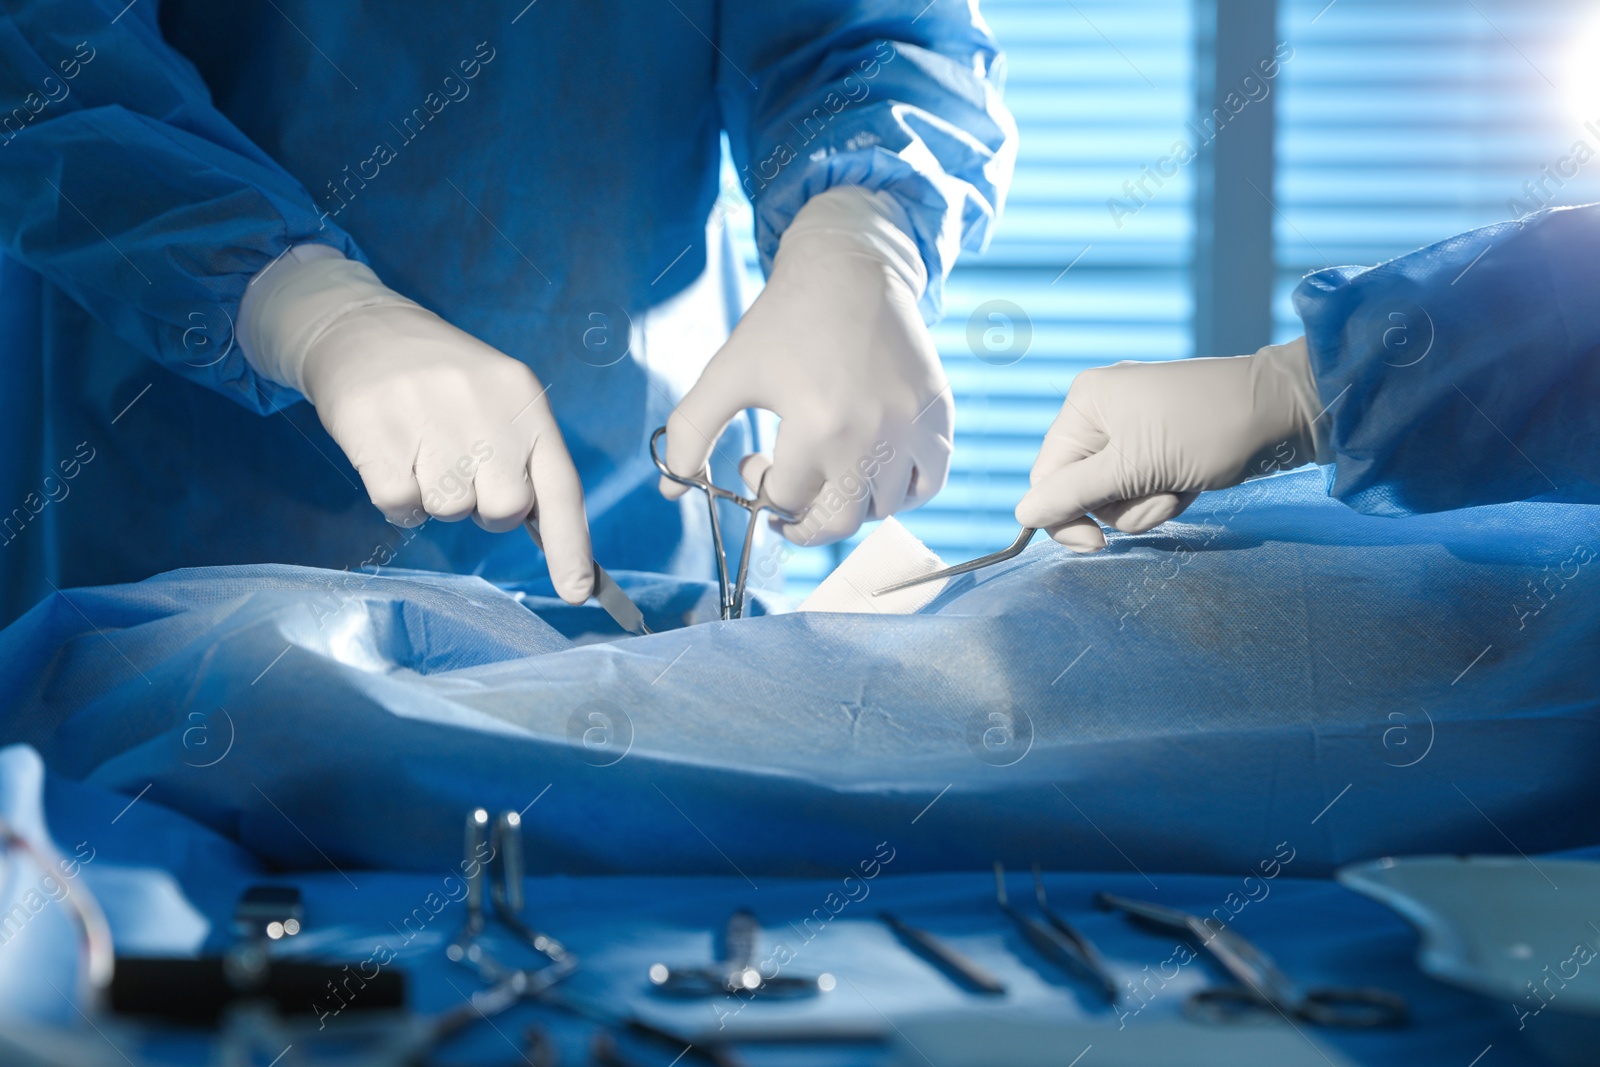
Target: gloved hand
{"type": "Point", "coordinates": [836, 347]}
{"type": "Point", "coordinates": [1135, 443]}
{"type": "Point", "coordinates": [437, 423]}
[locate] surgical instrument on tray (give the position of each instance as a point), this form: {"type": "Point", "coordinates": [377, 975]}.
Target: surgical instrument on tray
{"type": "Point", "coordinates": [623, 611]}
{"type": "Point", "coordinates": [1058, 942]}
{"type": "Point", "coordinates": [1011, 551]}
{"type": "Point", "coordinates": [732, 598]}
{"type": "Point", "coordinates": [269, 913]}
{"type": "Point", "coordinates": [1085, 948]}
{"type": "Point", "coordinates": [504, 863]}
{"type": "Point", "coordinates": [1261, 985]}
{"type": "Point", "coordinates": [202, 991]}
{"type": "Point", "coordinates": [955, 966]}
{"type": "Point", "coordinates": [735, 970]}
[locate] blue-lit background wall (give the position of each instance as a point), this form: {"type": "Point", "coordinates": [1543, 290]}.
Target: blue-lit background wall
{"type": "Point", "coordinates": [1397, 124]}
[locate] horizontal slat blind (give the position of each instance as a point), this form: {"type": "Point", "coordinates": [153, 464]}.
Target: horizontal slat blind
{"type": "Point", "coordinates": [1400, 124]}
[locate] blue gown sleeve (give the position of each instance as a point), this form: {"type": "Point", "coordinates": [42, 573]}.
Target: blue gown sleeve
{"type": "Point", "coordinates": [122, 185]}
{"type": "Point", "coordinates": [902, 97]}
{"type": "Point", "coordinates": [1464, 373]}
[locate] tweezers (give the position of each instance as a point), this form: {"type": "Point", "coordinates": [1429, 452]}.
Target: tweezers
{"type": "Point", "coordinates": [623, 611]}
{"type": "Point", "coordinates": [1059, 942]}
{"type": "Point", "coordinates": [1011, 552]}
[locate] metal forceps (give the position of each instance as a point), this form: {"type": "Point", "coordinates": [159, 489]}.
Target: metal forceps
{"type": "Point", "coordinates": [1012, 551]}
{"type": "Point", "coordinates": [732, 597]}
{"type": "Point", "coordinates": [504, 862]}
{"type": "Point", "coordinates": [1261, 984]}
{"type": "Point", "coordinates": [1059, 942]}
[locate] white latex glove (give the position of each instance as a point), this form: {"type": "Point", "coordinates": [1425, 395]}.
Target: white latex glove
{"type": "Point", "coordinates": [437, 423]}
{"type": "Point", "coordinates": [1135, 443]}
{"type": "Point", "coordinates": [836, 347]}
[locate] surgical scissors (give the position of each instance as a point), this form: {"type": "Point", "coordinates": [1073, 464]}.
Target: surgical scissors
{"type": "Point", "coordinates": [732, 599]}
{"type": "Point", "coordinates": [1261, 984]}
{"type": "Point", "coordinates": [1012, 551]}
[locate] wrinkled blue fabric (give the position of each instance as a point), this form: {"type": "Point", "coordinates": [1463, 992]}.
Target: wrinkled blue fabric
{"type": "Point", "coordinates": [533, 173]}
{"type": "Point", "coordinates": [1274, 666]}
{"type": "Point", "coordinates": [1464, 373]}
{"type": "Point", "coordinates": [162, 878]}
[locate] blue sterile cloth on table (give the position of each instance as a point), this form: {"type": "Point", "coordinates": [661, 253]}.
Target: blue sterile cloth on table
{"type": "Point", "coordinates": [168, 884]}
{"type": "Point", "coordinates": [1273, 667]}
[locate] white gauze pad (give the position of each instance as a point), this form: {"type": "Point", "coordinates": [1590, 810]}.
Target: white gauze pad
{"type": "Point", "coordinates": [888, 555]}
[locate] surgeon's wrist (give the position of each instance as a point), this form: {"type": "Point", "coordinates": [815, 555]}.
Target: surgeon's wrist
{"type": "Point", "coordinates": [1291, 362]}
{"type": "Point", "coordinates": [849, 218]}
{"type": "Point", "coordinates": [293, 300]}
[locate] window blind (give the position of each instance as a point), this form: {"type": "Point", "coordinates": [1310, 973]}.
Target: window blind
{"type": "Point", "coordinates": [1400, 124]}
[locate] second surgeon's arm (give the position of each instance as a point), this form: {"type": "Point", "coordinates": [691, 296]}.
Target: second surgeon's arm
{"type": "Point", "coordinates": [1464, 373]}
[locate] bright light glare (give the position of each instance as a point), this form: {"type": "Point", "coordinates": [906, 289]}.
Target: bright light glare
{"type": "Point", "coordinates": [1582, 79]}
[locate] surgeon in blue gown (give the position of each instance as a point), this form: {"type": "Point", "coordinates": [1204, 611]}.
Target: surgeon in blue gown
{"type": "Point", "coordinates": [477, 239]}
{"type": "Point", "coordinates": [1461, 374]}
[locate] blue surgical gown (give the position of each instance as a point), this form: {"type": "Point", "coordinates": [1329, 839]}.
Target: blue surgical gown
{"type": "Point", "coordinates": [1464, 373]}
{"type": "Point", "coordinates": [540, 174]}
